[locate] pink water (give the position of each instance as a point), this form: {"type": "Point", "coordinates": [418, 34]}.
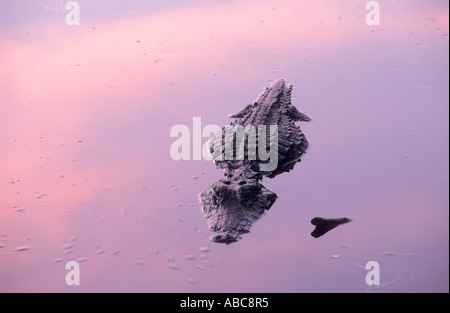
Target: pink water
{"type": "Point", "coordinates": [86, 173]}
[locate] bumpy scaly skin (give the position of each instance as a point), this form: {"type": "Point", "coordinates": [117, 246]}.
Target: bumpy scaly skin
{"type": "Point", "coordinates": [233, 204]}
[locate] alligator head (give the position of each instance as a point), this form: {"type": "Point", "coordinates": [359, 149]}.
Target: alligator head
{"type": "Point", "coordinates": [232, 207]}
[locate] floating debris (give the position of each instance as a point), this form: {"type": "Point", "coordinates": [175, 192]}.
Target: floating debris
{"type": "Point", "coordinates": [67, 246]}
{"type": "Point", "coordinates": [192, 281]}
{"type": "Point", "coordinates": [23, 248]}
{"type": "Point", "coordinates": [191, 257]}
{"type": "Point", "coordinates": [174, 266]}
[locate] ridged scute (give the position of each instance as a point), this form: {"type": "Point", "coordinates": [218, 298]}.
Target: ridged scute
{"type": "Point", "coordinates": [272, 107]}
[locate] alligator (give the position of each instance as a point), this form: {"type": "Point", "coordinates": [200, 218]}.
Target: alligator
{"type": "Point", "coordinates": [233, 204]}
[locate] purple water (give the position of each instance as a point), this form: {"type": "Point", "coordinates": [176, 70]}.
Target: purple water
{"type": "Point", "coordinates": [86, 173]}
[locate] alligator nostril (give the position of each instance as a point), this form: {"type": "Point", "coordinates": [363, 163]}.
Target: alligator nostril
{"type": "Point", "coordinates": [227, 182]}
{"type": "Point", "coordinates": [243, 182]}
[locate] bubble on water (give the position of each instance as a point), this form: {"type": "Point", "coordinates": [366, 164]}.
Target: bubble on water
{"type": "Point", "coordinates": [202, 173]}
{"type": "Point", "coordinates": [200, 267]}
{"type": "Point", "coordinates": [204, 256]}
{"type": "Point", "coordinates": [208, 263]}
{"type": "Point", "coordinates": [179, 219]}
{"type": "Point", "coordinates": [81, 260]}
{"type": "Point", "coordinates": [20, 210]}
{"type": "Point", "coordinates": [204, 249]}
{"type": "Point", "coordinates": [59, 260]}
{"type": "Point", "coordinates": [67, 246]}
{"type": "Point", "coordinates": [192, 281]}
{"type": "Point", "coordinates": [179, 204]}
{"type": "Point", "coordinates": [68, 251]}
{"type": "Point", "coordinates": [100, 251]}
{"type": "Point", "coordinates": [171, 258]}
{"type": "Point", "coordinates": [156, 251]}
{"type": "Point", "coordinates": [194, 177]}
{"type": "Point", "coordinates": [174, 266]}
{"type": "Point", "coordinates": [335, 256]}
{"type": "Point", "coordinates": [23, 248]}
{"type": "Point", "coordinates": [115, 252]}
{"type": "Point", "coordinates": [140, 262]}
{"type": "Point", "coordinates": [74, 238]}
{"type": "Point", "coordinates": [2, 246]}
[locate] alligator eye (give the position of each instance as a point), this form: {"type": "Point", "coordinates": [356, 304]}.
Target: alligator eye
{"type": "Point", "coordinates": [248, 193]}
{"type": "Point", "coordinates": [218, 193]}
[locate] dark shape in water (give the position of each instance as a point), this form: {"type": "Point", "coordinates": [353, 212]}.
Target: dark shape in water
{"type": "Point", "coordinates": [324, 225]}
{"type": "Point", "coordinates": [233, 204]}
